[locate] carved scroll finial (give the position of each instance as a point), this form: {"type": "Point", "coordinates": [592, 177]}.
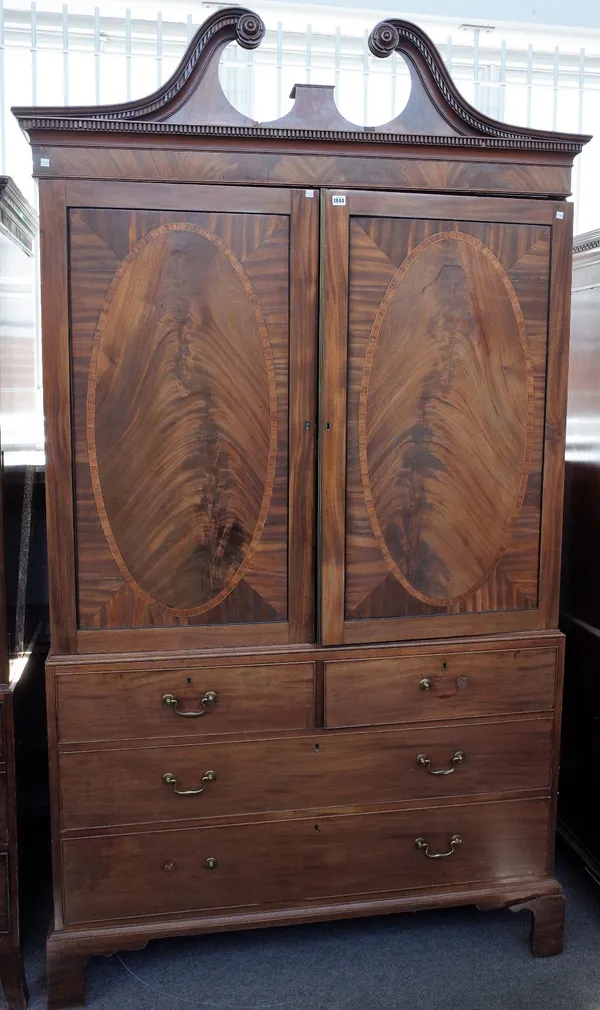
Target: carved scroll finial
{"type": "Point", "coordinates": [192, 101]}
{"type": "Point", "coordinates": [250, 31]}
{"type": "Point", "coordinates": [383, 39]}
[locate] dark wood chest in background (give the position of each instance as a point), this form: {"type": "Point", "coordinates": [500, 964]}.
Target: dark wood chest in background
{"type": "Point", "coordinates": [305, 390]}
{"type": "Point", "coordinates": [580, 598]}
{"type": "Point", "coordinates": [12, 978]}
{"type": "Point", "coordinates": [18, 227]}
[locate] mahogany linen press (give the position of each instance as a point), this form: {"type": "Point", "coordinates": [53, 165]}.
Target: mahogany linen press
{"type": "Point", "coordinates": [305, 389]}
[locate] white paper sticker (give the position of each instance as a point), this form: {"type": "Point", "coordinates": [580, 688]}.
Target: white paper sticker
{"type": "Point", "coordinates": [560, 214]}
{"type": "Point", "coordinates": [309, 193]}
{"type": "Point", "coordinates": [338, 201]}
{"type": "Point", "coordinates": [45, 162]}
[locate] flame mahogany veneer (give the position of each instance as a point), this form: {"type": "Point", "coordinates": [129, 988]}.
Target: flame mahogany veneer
{"type": "Point", "coordinates": [305, 391]}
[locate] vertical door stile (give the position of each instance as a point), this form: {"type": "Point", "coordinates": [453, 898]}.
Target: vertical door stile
{"type": "Point", "coordinates": [556, 412]}
{"type": "Point", "coordinates": [304, 278]}
{"type": "Point", "coordinates": [332, 422]}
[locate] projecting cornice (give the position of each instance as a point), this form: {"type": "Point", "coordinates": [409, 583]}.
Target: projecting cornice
{"type": "Point", "coordinates": [192, 103]}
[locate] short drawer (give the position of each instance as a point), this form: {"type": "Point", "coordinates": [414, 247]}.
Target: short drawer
{"type": "Point", "coordinates": [118, 787]}
{"type": "Point", "coordinates": [198, 869]}
{"type": "Point", "coordinates": [200, 701]}
{"type": "Point", "coordinates": [423, 687]}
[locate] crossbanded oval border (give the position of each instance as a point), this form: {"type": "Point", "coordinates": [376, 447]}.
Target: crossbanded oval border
{"type": "Point", "coordinates": [362, 414]}
{"type": "Point", "coordinates": [91, 418]}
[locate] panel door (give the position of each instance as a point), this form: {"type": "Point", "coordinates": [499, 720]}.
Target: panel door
{"type": "Point", "coordinates": [193, 414]}
{"type": "Point", "coordinates": [436, 361]}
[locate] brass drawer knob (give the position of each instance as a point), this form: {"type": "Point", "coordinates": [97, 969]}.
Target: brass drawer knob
{"type": "Point", "coordinates": [211, 863]}
{"type": "Point", "coordinates": [426, 684]}
{"type": "Point", "coordinates": [210, 698]}
{"type": "Point", "coordinates": [170, 780]}
{"type": "Point", "coordinates": [421, 844]}
{"type": "Point", "coordinates": [424, 761]}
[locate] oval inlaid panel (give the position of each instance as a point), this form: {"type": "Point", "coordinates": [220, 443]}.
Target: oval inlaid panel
{"type": "Point", "coordinates": [446, 418]}
{"type": "Point", "coordinates": [182, 419]}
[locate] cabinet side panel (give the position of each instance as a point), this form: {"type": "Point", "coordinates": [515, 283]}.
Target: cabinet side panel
{"type": "Point", "coordinates": [57, 410]}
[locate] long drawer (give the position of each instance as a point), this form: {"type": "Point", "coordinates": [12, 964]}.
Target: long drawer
{"type": "Point", "coordinates": [182, 871]}
{"type": "Point", "coordinates": [101, 788]}
{"type": "Point", "coordinates": [144, 704]}
{"type": "Point", "coordinates": [453, 686]}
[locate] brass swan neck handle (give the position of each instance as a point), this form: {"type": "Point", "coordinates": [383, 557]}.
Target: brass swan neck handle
{"type": "Point", "coordinates": [209, 699]}
{"type": "Point", "coordinates": [423, 846]}
{"type": "Point", "coordinates": [170, 780]}
{"type": "Point", "coordinates": [424, 761]}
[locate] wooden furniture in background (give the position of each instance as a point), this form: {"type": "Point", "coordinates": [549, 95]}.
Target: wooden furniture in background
{"type": "Point", "coordinates": [12, 978]}
{"type": "Point", "coordinates": [18, 226]}
{"type": "Point", "coordinates": [243, 731]}
{"type": "Point", "coordinates": [580, 600]}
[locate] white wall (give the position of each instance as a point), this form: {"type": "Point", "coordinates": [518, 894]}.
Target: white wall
{"type": "Point", "coordinates": [544, 73]}
{"type": "Point", "coordinates": [578, 13]}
